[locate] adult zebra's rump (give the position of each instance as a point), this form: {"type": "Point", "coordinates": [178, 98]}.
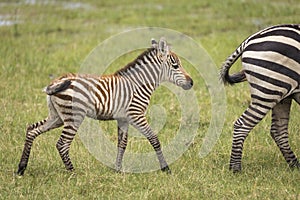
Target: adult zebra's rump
{"type": "Point", "coordinates": [122, 96]}
{"type": "Point", "coordinates": [271, 65]}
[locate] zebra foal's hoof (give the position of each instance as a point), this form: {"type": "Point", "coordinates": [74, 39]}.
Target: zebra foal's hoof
{"type": "Point", "coordinates": [166, 169]}
{"type": "Point", "coordinates": [295, 165]}
{"type": "Point", "coordinates": [21, 170]}
{"type": "Point", "coordinates": [118, 170]}
{"type": "Point", "coordinates": [235, 168]}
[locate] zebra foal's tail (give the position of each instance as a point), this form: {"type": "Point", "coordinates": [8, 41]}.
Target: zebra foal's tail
{"type": "Point", "coordinates": [224, 72]}
{"type": "Point", "coordinates": [57, 87]}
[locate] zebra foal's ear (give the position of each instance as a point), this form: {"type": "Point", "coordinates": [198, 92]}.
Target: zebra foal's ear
{"type": "Point", "coordinates": [163, 47]}
{"type": "Point", "coordinates": [153, 43]}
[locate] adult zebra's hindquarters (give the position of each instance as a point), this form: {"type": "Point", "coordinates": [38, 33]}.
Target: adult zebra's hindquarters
{"type": "Point", "coordinates": [271, 65]}
{"type": "Point", "coordinates": [122, 96]}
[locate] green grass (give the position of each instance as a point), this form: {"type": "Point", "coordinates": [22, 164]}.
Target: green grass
{"type": "Point", "coordinates": [52, 40]}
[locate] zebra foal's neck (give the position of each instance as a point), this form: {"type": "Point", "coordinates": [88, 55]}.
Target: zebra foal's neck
{"type": "Point", "coordinates": [145, 69]}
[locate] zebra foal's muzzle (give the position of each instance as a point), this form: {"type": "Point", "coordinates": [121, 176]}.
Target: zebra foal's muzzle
{"type": "Point", "coordinates": [188, 84]}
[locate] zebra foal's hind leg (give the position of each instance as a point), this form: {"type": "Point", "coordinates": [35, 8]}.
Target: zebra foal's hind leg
{"type": "Point", "coordinates": [71, 123]}
{"type": "Point", "coordinates": [279, 130]}
{"type": "Point", "coordinates": [32, 132]}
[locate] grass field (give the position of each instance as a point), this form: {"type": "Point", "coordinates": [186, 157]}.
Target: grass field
{"type": "Point", "coordinates": [41, 39]}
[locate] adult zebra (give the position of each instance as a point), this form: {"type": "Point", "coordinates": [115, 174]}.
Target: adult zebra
{"type": "Point", "coordinates": [122, 96]}
{"type": "Point", "coordinates": [271, 65]}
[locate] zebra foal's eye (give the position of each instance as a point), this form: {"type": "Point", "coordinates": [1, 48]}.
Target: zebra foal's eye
{"type": "Point", "coordinates": [175, 66]}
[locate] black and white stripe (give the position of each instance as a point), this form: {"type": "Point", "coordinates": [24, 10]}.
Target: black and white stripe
{"type": "Point", "coordinates": [271, 65]}
{"type": "Point", "coordinates": [122, 96]}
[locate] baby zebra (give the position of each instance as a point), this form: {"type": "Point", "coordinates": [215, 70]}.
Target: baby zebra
{"type": "Point", "coordinates": [271, 65]}
{"type": "Point", "coordinates": [122, 96]}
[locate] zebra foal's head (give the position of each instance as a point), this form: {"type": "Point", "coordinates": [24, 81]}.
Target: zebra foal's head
{"type": "Point", "coordinates": [172, 69]}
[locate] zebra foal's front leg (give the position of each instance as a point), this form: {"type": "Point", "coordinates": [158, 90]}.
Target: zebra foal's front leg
{"type": "Point", "coordinates": [140, 123]}
{"type": "Point", "coordinates": [122, 142]}
{"type": "Point", "coordinates": [279, 131]}
{"type": "Point", "coordinates": [156, 145]}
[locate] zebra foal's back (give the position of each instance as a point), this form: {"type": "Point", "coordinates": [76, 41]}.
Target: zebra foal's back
{"type": "Point", "coordinates": [271, 65]}
{"type": "Point", "coordinates": [99, 97]}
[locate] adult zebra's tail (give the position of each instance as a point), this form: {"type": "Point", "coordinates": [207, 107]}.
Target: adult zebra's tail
{"type": "Point", "coordinates": [224, 72]}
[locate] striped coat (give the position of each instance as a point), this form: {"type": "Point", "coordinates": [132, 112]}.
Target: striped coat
{"type": "Point", "coordinates": [122, 96]}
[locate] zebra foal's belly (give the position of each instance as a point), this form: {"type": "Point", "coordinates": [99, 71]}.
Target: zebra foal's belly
{"type": "Point", "coordinates": [104, 118]}
{"type": "Point", "coordinates": [99, 116]}
{"type": "Point", "coordinates": [106, 115]}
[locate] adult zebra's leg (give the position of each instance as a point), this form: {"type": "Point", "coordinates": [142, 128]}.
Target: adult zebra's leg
{"type": "Point", "coordinates": [247, 121]}
{"type": "Point", "coordinates": [140, 123]}
{"type": "Point", "coordinates": [122, 142]}
{"type": "Point", "coordinates": [32, 132]}
{"type": "Point", "coordinates": [279, 130]}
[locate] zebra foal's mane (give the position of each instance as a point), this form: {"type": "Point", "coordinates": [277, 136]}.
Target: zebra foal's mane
{"type": "Point", "coordinates": [134, 62]}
